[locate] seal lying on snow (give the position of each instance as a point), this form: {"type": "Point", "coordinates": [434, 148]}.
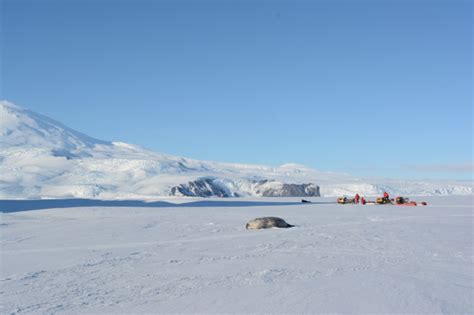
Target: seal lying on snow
{"type": "Point", "coordinates": [267, 222]}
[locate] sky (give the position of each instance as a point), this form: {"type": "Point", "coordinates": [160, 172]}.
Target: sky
{"type": "Point", "coordinates": [371, 88]}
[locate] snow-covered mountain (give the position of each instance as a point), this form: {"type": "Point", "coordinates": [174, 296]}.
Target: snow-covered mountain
{"type": "Point", "coordinates": [41, 158]}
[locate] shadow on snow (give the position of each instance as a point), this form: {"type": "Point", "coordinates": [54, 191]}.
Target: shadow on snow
{"type": "Point", "coordinates": [8, 206]}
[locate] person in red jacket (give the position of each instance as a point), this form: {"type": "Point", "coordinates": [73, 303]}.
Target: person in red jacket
{"type": "Point", "coordinates": [386, 197]}
{"type": "Point", "coordinates": [362, 201]}
{"type": "Point", "coordinates": [356, 198]}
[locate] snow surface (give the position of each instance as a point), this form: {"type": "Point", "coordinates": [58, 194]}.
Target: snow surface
{"type": "Point", "coordinates": [197, 257]}
{"type": "Point", "coordinates": [42, 158]}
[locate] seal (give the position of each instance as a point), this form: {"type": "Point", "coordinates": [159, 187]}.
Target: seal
{"type": "Point", "coordinates": [267, 222]}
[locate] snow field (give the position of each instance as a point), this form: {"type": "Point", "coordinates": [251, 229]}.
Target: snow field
{"type": "Point", "coordinates": [338, 258]}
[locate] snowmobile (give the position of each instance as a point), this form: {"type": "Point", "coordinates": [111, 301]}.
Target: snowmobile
{"type": "Point", "coordinates": [345, 200]}
{"type": "Point", "coordinates": [402, 201]}
{"type": "Point", "coordinates": [383, 201]}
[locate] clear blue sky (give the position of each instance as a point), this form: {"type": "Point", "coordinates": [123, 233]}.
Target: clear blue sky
{"type": "Point", "coordinates": [376, 88]}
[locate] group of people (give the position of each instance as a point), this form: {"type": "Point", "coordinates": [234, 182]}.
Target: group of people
{"type": "Point", "coordinates": [358, 199]}
{"type": "Point", "coordinates": [362, 200]}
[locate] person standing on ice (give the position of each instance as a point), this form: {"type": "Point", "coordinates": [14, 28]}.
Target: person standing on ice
{"type": "Point", "coordinates": [362, 200]}
{"type": "Point", "coordinates": [356, 198]}
{"type": "Point", "coordinates": [386, 197]}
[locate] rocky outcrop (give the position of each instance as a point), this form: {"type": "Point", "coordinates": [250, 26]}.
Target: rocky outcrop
{"type": "Point", "coordinates": [202, 187]}
{"type": "Point", "coordinates": [278, 189]}
{"type": "Point", "coordinates": [212, 187]}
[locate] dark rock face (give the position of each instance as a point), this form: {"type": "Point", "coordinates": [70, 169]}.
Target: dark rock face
{"type": "Point", "coordinates": [203, 187]}
{"type": "Point", "coordinates": [210, 187]}
{"type": "Point", "coordinates": [291, 190]}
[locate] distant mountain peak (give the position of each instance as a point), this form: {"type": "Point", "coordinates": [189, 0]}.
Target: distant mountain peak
{"type": "Point", "coordinates": [25, 128]}
{"type": "Point", "coordinates": [4, 104]}
{"type": "Point", "coordinates": [294, 166]}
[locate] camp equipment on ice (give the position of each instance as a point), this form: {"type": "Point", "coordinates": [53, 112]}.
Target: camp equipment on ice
{"type": "Point", "coordinates": [401, 200]}
{"type": "Point", "coordinates": [382, 201]}
{"type": "Point", "coordinates": [345, 200]}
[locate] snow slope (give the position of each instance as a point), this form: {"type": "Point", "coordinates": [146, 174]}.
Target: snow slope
{"type": "Point", "coordinates": [41, 158]}
{"type": "Point", "coordinates": [338, 258]}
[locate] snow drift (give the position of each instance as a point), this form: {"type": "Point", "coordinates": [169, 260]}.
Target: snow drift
{"type": "Point", "coordinates": [42, 158]}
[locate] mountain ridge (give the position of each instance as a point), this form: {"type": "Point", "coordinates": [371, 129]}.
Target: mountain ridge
{"type": "Point", "coordinates": [42, 158]}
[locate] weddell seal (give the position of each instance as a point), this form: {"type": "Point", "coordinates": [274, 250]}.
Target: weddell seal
{"type": "Point", "coordinates": [266, 223]}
